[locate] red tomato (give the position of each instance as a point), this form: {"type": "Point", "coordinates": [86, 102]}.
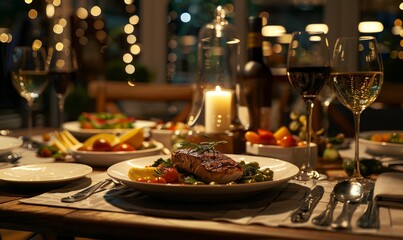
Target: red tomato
{"type": "Point", "coordinates": [123, 147]}
{"type": "Point", "coordinates": [141, 180]}
{"type": "Point", "coordinates": [287, 141]}
{"type": "Point", "coordinates": [158, 180]}
{"type": "Point", "coordinates": [86, 125]}
{"type": "Point", "coordinates": [252, 137]}
{"type": "Point", "coordinates": [266, 137]}
{"type": "Point", "coordinates": [101, 145]}
{"type": "Point", "coordinates": [170, 174]}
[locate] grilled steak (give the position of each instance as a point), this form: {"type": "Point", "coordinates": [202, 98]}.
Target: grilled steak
{"type": "Point", "coordinates": [210, 166]}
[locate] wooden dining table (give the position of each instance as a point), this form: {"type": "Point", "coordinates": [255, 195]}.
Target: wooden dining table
{"type": "Point", "coordinates": [67, 223]}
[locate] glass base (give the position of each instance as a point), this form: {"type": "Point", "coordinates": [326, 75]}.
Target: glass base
{"type": "Point", "coordinates": [306, 175]}
{"type": "Point", "coordinates": [366, 183]}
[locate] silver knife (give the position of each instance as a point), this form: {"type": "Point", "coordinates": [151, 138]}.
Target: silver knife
{"type": "Point", "coordinates": [370, 218]}
{"type": "Point", "coordinates": [304, 212]}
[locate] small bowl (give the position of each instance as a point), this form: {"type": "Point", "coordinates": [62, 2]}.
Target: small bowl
{"type": "Point", "coordinates": [296, 155]}
{"type": "Point", "coordinates": [163, 136]}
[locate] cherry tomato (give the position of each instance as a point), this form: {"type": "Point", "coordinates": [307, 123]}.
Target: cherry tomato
{"type": "Point", "coordinates": [252, 137]}
{"type": "Point", "coordinates": [158, 180]}
{"type": "Point", "coordinates": [141, 180]}
{"type": "Point", "coordinates": [101, 145]}
{"type": "Point", "coordinates": [170, 174]}
{"type": "Point", "coordinates": [287, 141]}
{"type": "Point", "coordinates": [86, 125]}
{"type": "Point", "coordinates": [85, 148]}
{"type": "Point", "coordinates": [266, 137]}
{"type": "Point", "coordinates": [123, 147]}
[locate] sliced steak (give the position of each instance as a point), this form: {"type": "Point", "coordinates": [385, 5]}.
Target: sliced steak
{"type": "Point", "coordinates": [209, 166]}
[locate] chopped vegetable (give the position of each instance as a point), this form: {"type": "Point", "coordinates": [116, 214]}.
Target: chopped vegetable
{"type": "Point", "coordinates": [105, 121]}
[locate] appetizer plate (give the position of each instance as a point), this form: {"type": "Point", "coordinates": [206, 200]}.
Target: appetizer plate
{"type": "Point", "coordinates": [44, 173]}
{"type": "Point", "coordinates": [380, 148]}
{"type": "Point", "coordinates": [283, 171]}
{"type": "Point", "coordinates": [296, 155]}
{"type": "Point", "coordinates": [106, 159]}
{"type": "Point", "coordinates": [9, 143]}
{"type": "Point", "coordinates": [75, 129]}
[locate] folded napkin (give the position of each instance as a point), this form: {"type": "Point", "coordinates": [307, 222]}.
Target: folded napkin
{"type": "Point", "coordinates": [388, 189]}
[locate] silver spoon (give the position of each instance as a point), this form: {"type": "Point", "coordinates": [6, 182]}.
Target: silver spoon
{"type": "Point", "coordinates": [347, 192]}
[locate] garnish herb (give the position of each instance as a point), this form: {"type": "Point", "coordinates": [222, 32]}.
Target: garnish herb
{"type": "Point", "coordinates": [201, 147]}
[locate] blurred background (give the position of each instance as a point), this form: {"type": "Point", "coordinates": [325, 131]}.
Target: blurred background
{"type": "Point", "coordinates": [156, 41]}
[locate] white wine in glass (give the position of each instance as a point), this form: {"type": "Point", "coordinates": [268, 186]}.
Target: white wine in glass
{"type": "Point", "coordinates": [308, 68]}
{"type": "Point", "coordinates": [357, 78]}
{"type": "Point", "coordinates": [29, 77]}
{"type": "Point", "coordinates": [62, 70]}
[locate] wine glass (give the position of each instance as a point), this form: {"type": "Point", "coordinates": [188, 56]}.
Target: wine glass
{"type": "Point", "coordinates": [357, 77]}
{"type": "Point", "coordinates": [62, 69]}
{"type": "Point", "coordinates": [325, 97]}
{"type": "Point", "coordinates": [29, 76]}
{"type": "Point", "coordinates": [308, 68]}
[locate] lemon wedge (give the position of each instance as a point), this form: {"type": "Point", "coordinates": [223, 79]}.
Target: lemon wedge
{"type": "Point", "coordinates": [112, 139]}
{"type": "Point", "coordinates": [134, 137]}
{"type": "Point", "coordinates": [136, 172]}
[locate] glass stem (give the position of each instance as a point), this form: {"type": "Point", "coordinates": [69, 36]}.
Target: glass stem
{"type": "Point", "coordinates": [309, 108]}
{"type": "Point", "coordinates": [325, 109]}
{"type": "Point", "coordinates": [30, 107]}
{"type": "Point", "coordinates": [60, 103]}
{"type": "Point", "coordinates": [357, 173]}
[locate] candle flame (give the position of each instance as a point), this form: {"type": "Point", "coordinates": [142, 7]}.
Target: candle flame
{"type": "Point", "coordinates": [218, 88]}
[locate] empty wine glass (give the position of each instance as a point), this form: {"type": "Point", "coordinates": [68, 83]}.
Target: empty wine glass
{"type": "Point", "coordinates": [62, 69]}
{"type": "Point", "coordinates": [357, 77]}
{"type": "Point", "coordinates": [308, 68]}
{"type": "Point", "coordinates": [28, 74]}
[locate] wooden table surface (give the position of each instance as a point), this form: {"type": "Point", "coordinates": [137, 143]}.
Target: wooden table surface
{"type": "Point", "coordinates": [66, 222]}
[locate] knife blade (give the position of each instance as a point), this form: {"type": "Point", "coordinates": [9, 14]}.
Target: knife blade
{"type": "Point", "coordinates": [304, 212]}
{"type": "Point", "coordinates": [370, 218]}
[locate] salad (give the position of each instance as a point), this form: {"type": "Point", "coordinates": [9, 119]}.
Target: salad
{"type": "Point", "coordinates": [105, 121]}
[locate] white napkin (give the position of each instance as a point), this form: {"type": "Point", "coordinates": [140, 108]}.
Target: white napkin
{"type": "Point", "coordinates": [388, 189]}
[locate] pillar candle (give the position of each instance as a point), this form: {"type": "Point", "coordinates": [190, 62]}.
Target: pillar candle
{"type": "Point", "coordinates": [218, 110]}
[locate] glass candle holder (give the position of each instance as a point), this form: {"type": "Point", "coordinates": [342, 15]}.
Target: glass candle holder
{"type": "Point", "coordinates": [218, 94]}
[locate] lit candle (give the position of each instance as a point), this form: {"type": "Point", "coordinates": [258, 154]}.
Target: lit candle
{"type": "Point", "coordinates": [218, 110]}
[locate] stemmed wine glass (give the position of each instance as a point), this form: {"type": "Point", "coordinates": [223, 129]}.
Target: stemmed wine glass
{"type": "Point", "coordinates": [357, 77]}
{"type": "Point", "coordinates": [62, 68]}
{"type": "Point", "coordinates": [29, 76]}
{"type": "Point", "coordinates": [308, 68]}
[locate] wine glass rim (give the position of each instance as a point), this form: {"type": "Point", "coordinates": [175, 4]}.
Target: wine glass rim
{"type": "Point", "coordinates": [366, 38]}
{"type": "Point", "coordinates": [309, 32]}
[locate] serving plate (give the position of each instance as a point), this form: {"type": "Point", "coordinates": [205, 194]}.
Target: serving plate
{"type": "Point", "coordinates": [9, 143]}
{"type": "Point", "coordinates": [106, 159]}
{"type": "Point", "coordinates": [381, 148]}
{"type": "Point", "coordinates": [75, 129]}
{"type": "Point", "coordinates": [44, 173]}
{"type": "Point", "coordinates": [283, 171]}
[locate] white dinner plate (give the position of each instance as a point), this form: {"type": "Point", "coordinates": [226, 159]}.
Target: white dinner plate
{"type": "Point", "coordinates": [75, 129]}
{"type": "Point", "coordinates": [106, 159]}
{"type": "Point", "coordinates": [381, 148]}
{"type": "Point", "coordinates": [44, 173]}
{"type": "Point", "coordinates": [283, 171]}
{"type": "Point", "coordinates": [9, 143]}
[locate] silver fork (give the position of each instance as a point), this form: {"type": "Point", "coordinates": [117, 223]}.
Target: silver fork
{"type": "Point", "coordinates": [88, 191]}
